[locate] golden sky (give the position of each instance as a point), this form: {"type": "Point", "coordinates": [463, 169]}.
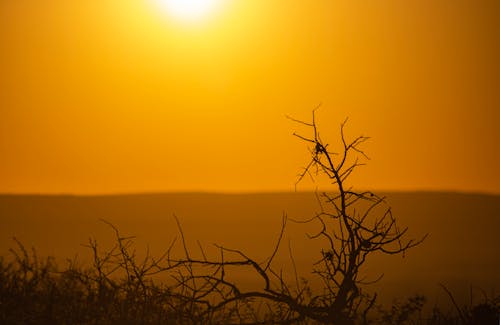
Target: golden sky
{"type": "Point", "coordinates": [112, 96]}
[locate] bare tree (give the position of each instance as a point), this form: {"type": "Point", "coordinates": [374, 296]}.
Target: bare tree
{"type": "Point", "coordinates": [353, 225]}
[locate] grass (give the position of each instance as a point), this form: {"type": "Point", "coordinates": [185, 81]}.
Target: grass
{"type": "Point", "coordinates": [117, 288]}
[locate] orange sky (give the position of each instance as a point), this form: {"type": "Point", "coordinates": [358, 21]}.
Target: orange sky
{"type": "Point", "coordinates": [106, 96]}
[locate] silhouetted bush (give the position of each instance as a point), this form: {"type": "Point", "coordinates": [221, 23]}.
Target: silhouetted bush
{"type": "Point", "coordinates": [115, 290]}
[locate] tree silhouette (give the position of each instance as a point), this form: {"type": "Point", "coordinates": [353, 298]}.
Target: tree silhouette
{"type": "Point", "coordinates": [352, 225]}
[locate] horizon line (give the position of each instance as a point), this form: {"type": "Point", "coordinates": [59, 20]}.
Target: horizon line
{"type": "Point", "coordinates": [243, 192]}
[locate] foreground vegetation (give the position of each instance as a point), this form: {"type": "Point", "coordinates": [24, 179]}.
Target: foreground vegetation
{"type": "Point", "coordinates": [118, 287]}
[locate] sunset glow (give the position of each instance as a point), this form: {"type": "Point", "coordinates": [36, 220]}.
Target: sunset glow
{"type": "Point", "coordinates": [280, 143]}
{"type": "Point", "coordinates": [188, 10]}
{"type": "Point", "coordinates": [191, 95]}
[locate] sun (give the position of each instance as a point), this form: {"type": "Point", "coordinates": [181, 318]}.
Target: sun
{"type": "Point", "coordinates": [188, 10]}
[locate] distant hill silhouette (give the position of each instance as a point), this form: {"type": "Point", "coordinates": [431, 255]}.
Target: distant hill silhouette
{"type": "Point", "coordinates": [462, 248]}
